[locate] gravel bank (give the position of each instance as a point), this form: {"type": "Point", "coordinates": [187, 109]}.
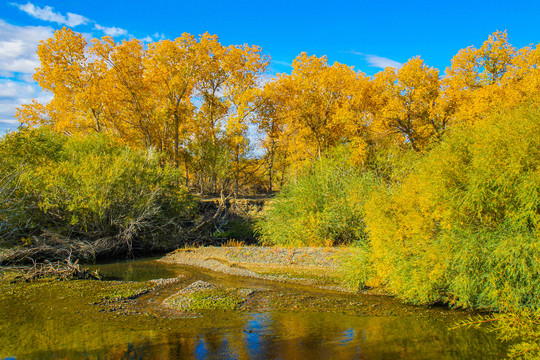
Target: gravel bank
{"type": "Point", "coordinates": [308, 265]}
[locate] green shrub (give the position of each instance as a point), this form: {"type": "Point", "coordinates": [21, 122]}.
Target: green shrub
{"type": "Point", "coordinates": [356, 267]}
{"type": "Point", "coordinates": [92, 190]}
{"type": "Point", "coordinates": [322, 208]}
{"type": "Point", "coordinates": [462, 227]}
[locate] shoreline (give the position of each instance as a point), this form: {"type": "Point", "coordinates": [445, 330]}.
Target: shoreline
{"type": "Point", "coordinates": [313, 266]}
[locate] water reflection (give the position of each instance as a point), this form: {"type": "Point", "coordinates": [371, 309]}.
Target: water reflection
{"type": "Point", "coordinates": [51, 322]}
{"type": "Point", "coordinates": [136, 270]}
{"type": "Point", "coordinates": [317, 336]}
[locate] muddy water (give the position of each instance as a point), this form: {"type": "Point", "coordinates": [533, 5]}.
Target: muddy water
{"type": "Point", "coordinates": [56, 320]}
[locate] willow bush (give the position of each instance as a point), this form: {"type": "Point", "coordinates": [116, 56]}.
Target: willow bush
{"type": "Point", "coordinates": [323, 207]}
{"type": "Point", "coordinates": [90, 191]}
{"type": "Point", "coordinates": [462, 227]}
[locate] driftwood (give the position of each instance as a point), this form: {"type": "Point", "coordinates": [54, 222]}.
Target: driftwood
{"type": "Point", "coordinates": [50, 247]}
{"type": "Point", "coordinates": [215, 218]}
{"type": "Point", "coordinates": [216, 215]}
{"type": "Point", "coordinates": [58, 270]}
{"type": "Point", "coordinates": [210, 221]}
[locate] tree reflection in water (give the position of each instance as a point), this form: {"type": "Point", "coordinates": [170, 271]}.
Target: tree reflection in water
{"type": "Point", "coordinates": [300, 335]}
{"type": "Point", "coordinates": [55, 321]}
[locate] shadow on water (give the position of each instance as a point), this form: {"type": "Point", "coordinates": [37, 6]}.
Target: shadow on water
{"type": "Point", "coordinates": [136, 270]}
{"type": "Point", "coordinates": [56, 321]}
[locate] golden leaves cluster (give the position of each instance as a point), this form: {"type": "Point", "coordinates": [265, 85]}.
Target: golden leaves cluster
{"type": "Point", "coordinates": [167, 95]}
{"type": "Point", "coordinates": [183, 95]}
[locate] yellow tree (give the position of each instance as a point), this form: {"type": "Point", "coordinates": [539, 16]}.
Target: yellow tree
{"type": "Point", "coordinates": [409, 103]}
{"type": "Point", "coordinates": [210, 161]}
{"type": "Point", "coordinates": [270, 123]}
{"type": "Point", "coordinates": [131, 106]}
{"type": "Point", "coordinates": [476, 79]}
{"type": "Point", "coordinates": [313, 104]}
{"type": "Point", "coordinates": [75, 82]}
{"type": "Point", "coordinates": [172, 70]}
{"type": "Point", "coordinates": [225, 93]}
{"type": "Point", "coordinates": [277, 120]}
{"type": "Point", "coordinates": [359, 125]}
{"type": "Point", "coordinates": [314, 108]}
{"type": "Point", "coordinates": [318, 97]}
{"type": "Point", "coordinates": [244, 64]}
{"type": "Point", "coordinates": [522, 80]}
{"type": "Point", "coordinates": [212, 77]}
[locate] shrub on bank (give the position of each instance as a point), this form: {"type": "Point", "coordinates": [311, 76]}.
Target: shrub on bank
{"type": "Point", "coordinates": [89, 195]}
{"type": "Point", "coordinates": [462, 227]}
{"type": "Point", "coordinates": [323, 207]}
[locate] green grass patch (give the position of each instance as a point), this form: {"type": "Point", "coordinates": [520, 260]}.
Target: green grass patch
{"type": "Point", "coordinates": [123, 290]}
{"type": "Point", "coordinates": [209, 299]}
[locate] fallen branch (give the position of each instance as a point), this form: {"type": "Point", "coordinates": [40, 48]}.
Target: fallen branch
{"type": "Point", "coordinates": [58, 270]}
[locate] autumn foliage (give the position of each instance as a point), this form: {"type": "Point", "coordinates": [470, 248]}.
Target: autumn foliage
{"type": "Point", "coordinates": [324, 207]}
{"type": "Point", "coordinates": [202, 103]}
{"type": "Point", "coordinates": [190, 98]}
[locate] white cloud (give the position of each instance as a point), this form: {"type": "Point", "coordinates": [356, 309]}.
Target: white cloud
{"type": "Point", "coordinates": [15, 89]}
{"type": "Point", "coordinates": [75, 19]}
{"type": "Point", "coordinates": [9, 121]}
{"type": "Point", "coordinates": [158, 36]}
{"type": "Point", "coordinates": [47, 13]}
{"type": "Point", "coordinates": [152, 38]}
{"type": "Point", "coordinates": [29, 78]}
{"type": "Point", "coordinates": [382, 62]}
{"type": "Point", "coordinates": [9, 100]}
{"type": "Point", "coordinates": [282, 63]}
{"type": "Point", "coordinates": [18, 60]}
{"type": "Point", "coordinates": [14, 93]}
{"type": "Point", "coordinates": [378, 61]}
{"type": "Point", "coordinates": [111, 31]}
{"type": "Point", "coordinates": [12, 48]}
{"type": "Point", "coordinates": [18, 45]}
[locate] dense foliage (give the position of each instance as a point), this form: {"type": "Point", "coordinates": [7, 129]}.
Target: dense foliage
{"type": "Point", "coordinates": [462, 226]}
{"type": "Point", "coordinates": [200, 102]}
{"type": "Point", "coordinates": [458, 225]}
{"type": "Point", "coordinates": [323, 207]}
{"type": "Point", "coordinates": [89, 193]}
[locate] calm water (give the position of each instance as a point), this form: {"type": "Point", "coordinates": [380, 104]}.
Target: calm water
{"type": "Point", "coordinates": [137, 270]}
{"type": "Point", "coordinates": [44, 322]}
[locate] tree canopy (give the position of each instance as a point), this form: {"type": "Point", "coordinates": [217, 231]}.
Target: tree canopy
{"type": "Point", "coordinates": [203, 103]}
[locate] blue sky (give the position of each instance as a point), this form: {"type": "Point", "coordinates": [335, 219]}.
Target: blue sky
{"type": "Point", "coordinates": [368, 35]}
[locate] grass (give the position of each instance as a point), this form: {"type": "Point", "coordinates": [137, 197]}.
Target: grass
{"type": "Point", "coordinates": [209, 299]}
{"type": "Point", "coordinates": [321, 276]}
{"type": "Point", "coordinates": [117, 290]}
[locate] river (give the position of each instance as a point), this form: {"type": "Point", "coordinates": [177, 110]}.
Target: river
{"type": "Point", "coordinates": [67, 320]}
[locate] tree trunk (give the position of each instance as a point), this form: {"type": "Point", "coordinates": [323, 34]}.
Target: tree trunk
{"type": "Point", "coordinates": [236, 172]}
{"type": "Point", "coordinates": [176, 142]}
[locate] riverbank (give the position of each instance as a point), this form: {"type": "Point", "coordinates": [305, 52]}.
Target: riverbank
{"type": "Point", "coordinates": [315, 266]}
